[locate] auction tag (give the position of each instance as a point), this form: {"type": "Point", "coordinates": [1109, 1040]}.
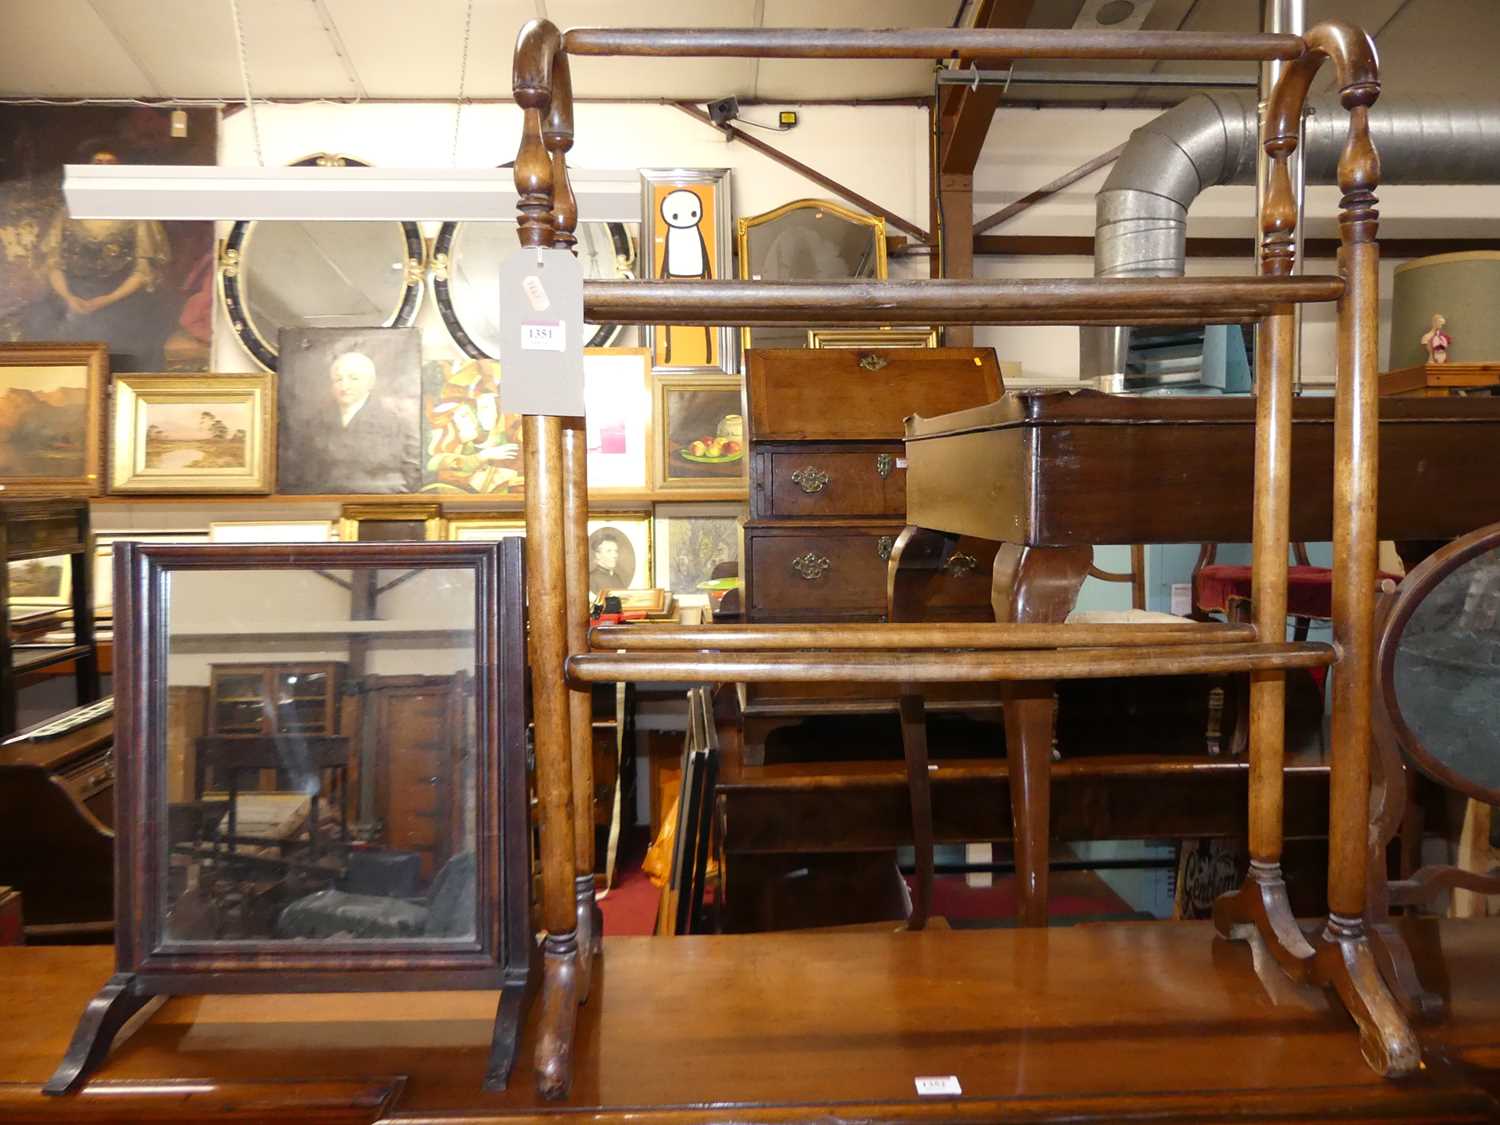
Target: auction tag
{"type": "Point", "coordinates": [541, 329]}
{"type": "Point", "coordinates": [938, 1085]}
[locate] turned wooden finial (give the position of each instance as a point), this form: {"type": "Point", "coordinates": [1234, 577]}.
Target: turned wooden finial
{"type": "Point", "coordinates": [557, 135]}
{"type": "Point", "coordinates": [1352, 53]}
{"type": "Point", "coordinates": [538, 46]}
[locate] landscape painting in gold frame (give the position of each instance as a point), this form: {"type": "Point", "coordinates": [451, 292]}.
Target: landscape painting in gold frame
{"type": "Point", "coordinates": [51, 403]}
{"type": "Point", "coordinates": [193, 433]}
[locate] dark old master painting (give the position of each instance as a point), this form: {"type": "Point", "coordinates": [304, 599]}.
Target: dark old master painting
{"type": "Point", "coordinates": [145, 288]}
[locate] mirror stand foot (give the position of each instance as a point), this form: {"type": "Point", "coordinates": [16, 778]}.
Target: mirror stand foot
{"type": "Point", "coordinates": [101, 1021]}
{"type": "Point", "coordinates": [509, 1017]}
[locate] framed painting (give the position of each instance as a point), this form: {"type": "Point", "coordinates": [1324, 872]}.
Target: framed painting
{"type": "Point", "coordinates": [482, 527]}
{"type": "Point", "coordinates": [872, 337]}
{"type": "Point", "coordinates": [349, 406]}
{"type": "Point", "coordinates": [686, 212]}
{"type": "Point", "coordinates": [193, 433]}
{"type": "Point", "coordinates": [617, 401]}
{"type": "Point", "coordinates": [468, 446]}
{"type": "Point", "coordinates": [402, 522]}
{"type": "Point", "coordinates": [143, 288]}
{"type": "Point", "coordinates": [42, 583]}
{"type": "Point", "coordinates": [51, 403]}
{"type": "Point", "coordinates": [700, 425]}
{"type": "Point", "coordinates": [692, 541]}
{"type": "Point", "coordinates": [620, 552]}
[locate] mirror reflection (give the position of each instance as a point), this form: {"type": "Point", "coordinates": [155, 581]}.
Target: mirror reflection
{"type": "Point", "coordinates": [606, 251]}
{"type": "Point", "coordinates": [322, 274]}
{"type": "Point", "coordinates": [809, 240]}
{"type": "Point", "coordinates": [320, 755]}
{"type": "Point", "coordinates": [1447, 677]}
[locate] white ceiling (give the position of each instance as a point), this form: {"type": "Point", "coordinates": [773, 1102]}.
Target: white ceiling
{"type": "Point", "coordinates": [412, 49]}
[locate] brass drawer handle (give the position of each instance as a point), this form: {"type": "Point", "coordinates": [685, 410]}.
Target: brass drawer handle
{"type": "Point", "coordinates": [884, 463]}
{"type": "Point", "coordinates": [871, 361]}
{"type": "Point", "coordinates": [810, 479]}
{"type": "Point", "coordinates": [811, 566]}
{"type": "Point", "coordinates": [960, 566]}
{"type": "Point", "coordinates": [883, 546]}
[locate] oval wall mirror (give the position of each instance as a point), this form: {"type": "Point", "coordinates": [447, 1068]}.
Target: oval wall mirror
{"type": "Point", "coordinates": [466, 267]}
{"type": "Point", "coordinates": [319, 274]}
{"type": "Point", "coordinates": [1438, 658]}
{"type": "Point", "coordinates": [807, 240]}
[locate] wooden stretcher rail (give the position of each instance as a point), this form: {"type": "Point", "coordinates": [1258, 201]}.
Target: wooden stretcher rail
{"type": "Point", "coordinates": [925, 43]}
{"type": "Point", "coordinates": [931, 667]}
{"type": "Point", "coordinates": [1110, 300]}
{"type": "Point", "coordinates": [938, 635]}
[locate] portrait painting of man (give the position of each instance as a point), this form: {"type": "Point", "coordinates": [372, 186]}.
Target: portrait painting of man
{"type": "Point", "coordinates": [349, 405]}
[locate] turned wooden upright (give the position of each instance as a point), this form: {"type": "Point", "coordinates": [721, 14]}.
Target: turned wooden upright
{"type": "Point", "coordinates": [1339, 956]}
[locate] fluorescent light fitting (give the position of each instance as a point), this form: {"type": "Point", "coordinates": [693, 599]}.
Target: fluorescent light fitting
{"type": "Point", "coordinates": [167, 192]}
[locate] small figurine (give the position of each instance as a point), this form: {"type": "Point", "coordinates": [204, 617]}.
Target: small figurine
{"type": "Point", "coordinates": [1436, 341]}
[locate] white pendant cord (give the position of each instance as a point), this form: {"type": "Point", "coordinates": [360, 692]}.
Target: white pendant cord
{"type": "Point", "coordinates": [239, 39]}
{"type": "Point", "coordinates": [463, 76]}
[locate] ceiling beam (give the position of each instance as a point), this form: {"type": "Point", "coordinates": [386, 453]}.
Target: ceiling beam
{"type": "Point", "coordinates": [966, 111]}
{"type": "Point", "coordinates": [1032, 198]}
{"type": "Point", "coordinates": [810, 172]}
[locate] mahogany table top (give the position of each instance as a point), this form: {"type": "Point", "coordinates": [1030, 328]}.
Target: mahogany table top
{"type": "Point", "coordinates": [1090, 1023]}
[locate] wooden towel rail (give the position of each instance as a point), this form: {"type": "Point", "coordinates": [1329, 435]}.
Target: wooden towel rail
{"type": "Point", "coordinates": [1339, 955]}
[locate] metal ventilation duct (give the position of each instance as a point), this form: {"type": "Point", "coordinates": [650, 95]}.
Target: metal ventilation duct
{"type": "Point", "coordinates": [1140, 226]}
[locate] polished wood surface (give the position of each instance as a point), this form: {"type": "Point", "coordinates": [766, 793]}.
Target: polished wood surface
{"type": "Point", "coordinates": [1085, 300]}
{"type": "Point", "coordinates": [802, 394]}
{"type": "Point", "coordinates": [1440, 380]}
{"type": "Point", "coordinates": [1060, 462]}
{"type": "Point", "coordinates": [649, 636]}
{"type": "Point", "coordinates": [925, 43]}
{"type": "Point", "coordinates": [1038, 1025]}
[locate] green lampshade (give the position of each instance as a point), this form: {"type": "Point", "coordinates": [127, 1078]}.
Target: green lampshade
{"type": "Point", "coordinates": [1465, 289]}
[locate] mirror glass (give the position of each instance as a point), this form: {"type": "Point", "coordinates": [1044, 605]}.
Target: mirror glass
{"type": "Point", "coordinates": [1447, 677]}
{"type": "Point", "coordinates": [320, 749]}
{"type": "Point", "coordinates": [808, 241]}
{"type": "Point", "coordinates": [606, 252]}
{"type": "Point", "coordinates": [322, 274]}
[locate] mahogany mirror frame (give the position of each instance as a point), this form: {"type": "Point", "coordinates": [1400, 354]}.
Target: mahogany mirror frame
{"type": "Point", "coordinates": [1409, 596]}
{"type": "Point", "coordinates": [501, 953]}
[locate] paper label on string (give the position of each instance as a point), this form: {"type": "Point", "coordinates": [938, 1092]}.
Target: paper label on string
{"type": "Point", "coordinates": [541, 357]}
{"type": "Point", "coordinates": [938, 1085]}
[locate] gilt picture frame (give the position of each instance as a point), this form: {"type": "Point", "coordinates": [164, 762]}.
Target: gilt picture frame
{"type": "Point", "coordinates": [193, 434]}
{"type": "Point", "coordinates": [700, 434]}
{"type": "Point", "coordinates": [51, 407]}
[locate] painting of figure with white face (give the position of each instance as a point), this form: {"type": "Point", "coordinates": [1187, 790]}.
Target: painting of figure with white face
{"type": "Point", "coordinates": [688, 241]}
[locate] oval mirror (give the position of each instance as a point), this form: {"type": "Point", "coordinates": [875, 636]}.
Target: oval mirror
{"type": "Point", "coordinates": [1439, 662]}
{"type": "Point", "coordinates": [319, 274]}
{"type": "Point", "coordinates": [807, 240]}
{"type": "Point", "coordinates": [466, 267]}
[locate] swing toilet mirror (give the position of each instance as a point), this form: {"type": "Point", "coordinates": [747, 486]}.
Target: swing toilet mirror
{"type": "Point", "coordinates": [807, 240]}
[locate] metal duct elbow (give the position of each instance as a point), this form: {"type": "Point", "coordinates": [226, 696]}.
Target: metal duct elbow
{"type": "Point", "coordinates": [1140, 226]}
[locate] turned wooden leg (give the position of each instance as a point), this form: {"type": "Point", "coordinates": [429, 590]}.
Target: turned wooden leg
{"type": "Point", "coordinates": [580, 702]}
{"type": "Point", "coordinates": [101, 1021]}
{"type": "Point", "coordinates": [1033, 584]}
{"type": "Point", "coordinates": [914, 748]}
{"type": "Point", "coordinates": [547, 611]}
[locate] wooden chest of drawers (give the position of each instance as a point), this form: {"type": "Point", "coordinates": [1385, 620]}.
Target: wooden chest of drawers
{"type": "Point", "coordinates": [828, 476]}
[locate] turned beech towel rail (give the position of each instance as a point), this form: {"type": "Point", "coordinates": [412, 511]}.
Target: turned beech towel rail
{"type": "Point", "coordinates": [1340, 955]}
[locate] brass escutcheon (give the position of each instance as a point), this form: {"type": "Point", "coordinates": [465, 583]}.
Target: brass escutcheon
{"type": "Point", "coordinates": [961, 565]}
{"type": "Point", "coordinates": [872, 362]}
{"type": "Point", "coordinates": [884, 463]}
{"type": "Point", "coordinates": [883, 546]}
